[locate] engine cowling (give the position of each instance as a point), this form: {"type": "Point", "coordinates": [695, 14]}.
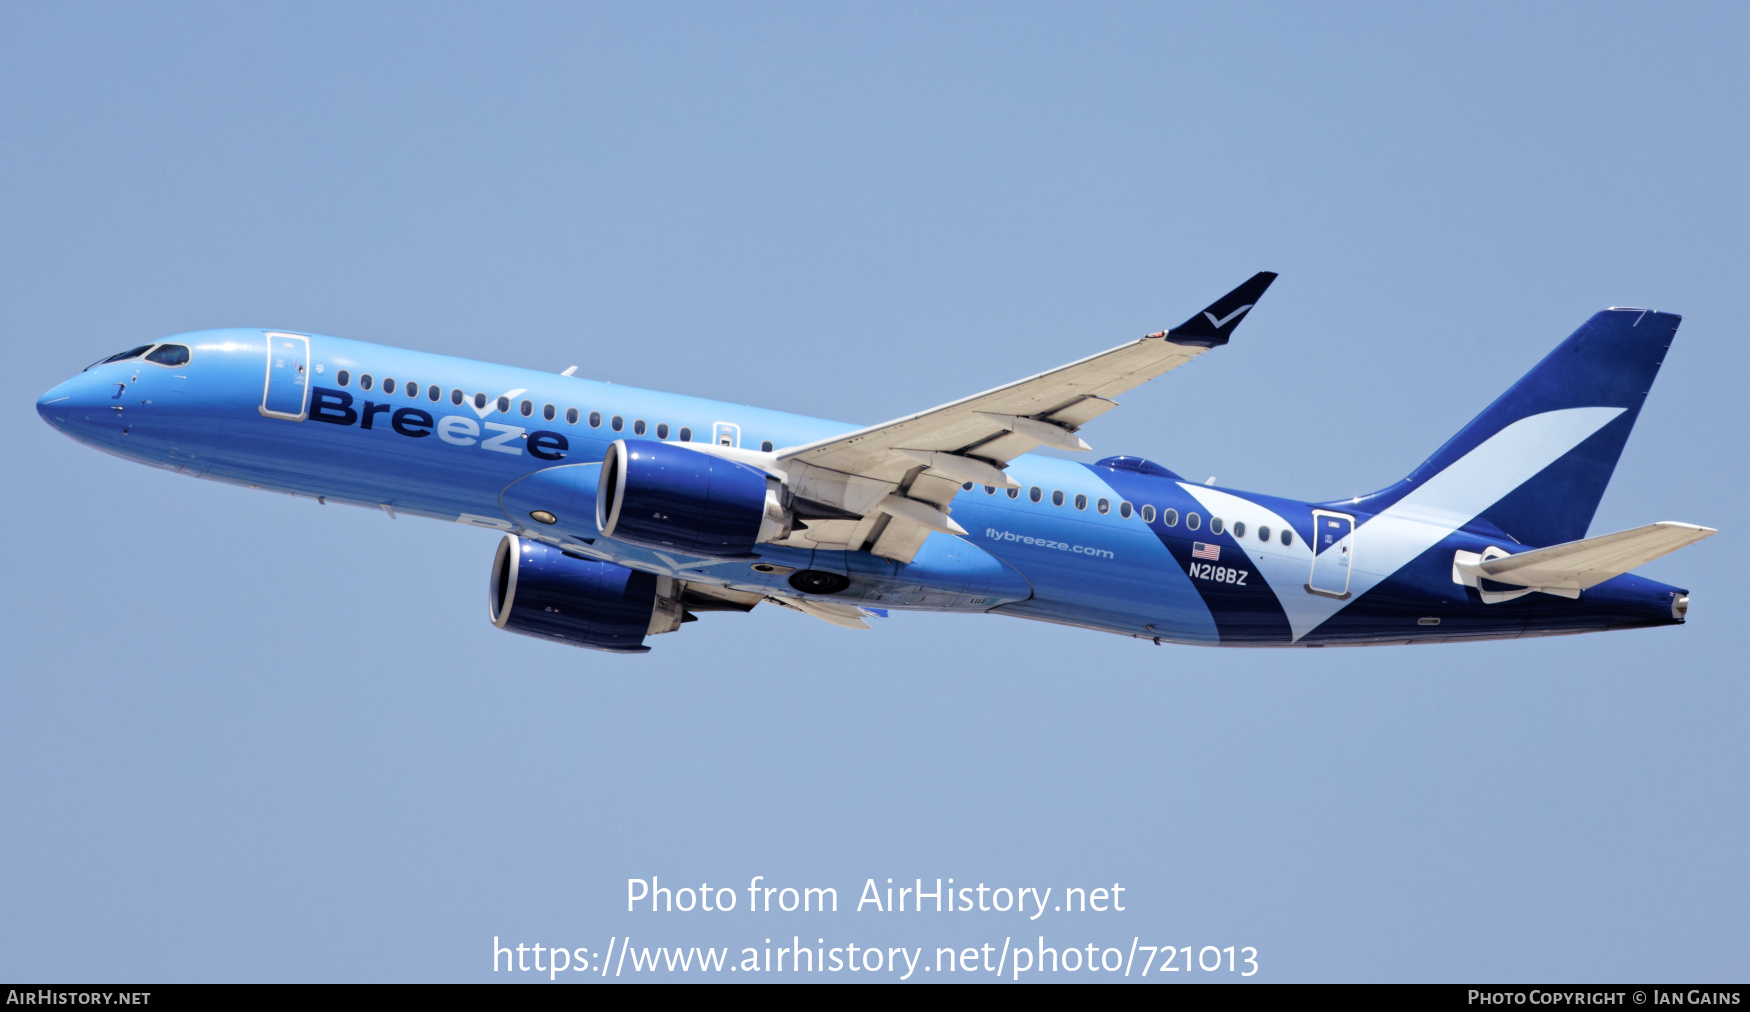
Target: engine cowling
{"type": "Point", "coordinates": [665, 496]}
{"type": "Point", "coordinates": [539, 591]}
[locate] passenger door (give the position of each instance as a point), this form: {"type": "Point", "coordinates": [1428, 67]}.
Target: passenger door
{"type": "Point", "coordinates": [288, 377]}
{"type": "Point", "coordinates": [1333, 553]}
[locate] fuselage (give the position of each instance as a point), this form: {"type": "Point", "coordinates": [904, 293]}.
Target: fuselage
{"type": "Point", "coordinates": [1122, 546]}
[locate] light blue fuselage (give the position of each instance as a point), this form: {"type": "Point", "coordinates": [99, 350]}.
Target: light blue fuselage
{"type": "Point", "coordinates": [1093, 561]}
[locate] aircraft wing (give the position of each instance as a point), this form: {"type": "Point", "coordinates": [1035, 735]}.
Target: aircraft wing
{"type": "Point", "coordinates": [1576, 565]}
{"type": "Point", "coordinates": [886, 487]}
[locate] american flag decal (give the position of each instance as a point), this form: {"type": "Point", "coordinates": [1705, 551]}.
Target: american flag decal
{"type": "Point", "coordinates": [1199, 550]}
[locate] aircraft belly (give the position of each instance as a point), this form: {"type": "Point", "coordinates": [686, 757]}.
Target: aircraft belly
{"type": "Point", "coordinates": [416, 476]}
{"type": "Point", "coordinates": [1104, 573]}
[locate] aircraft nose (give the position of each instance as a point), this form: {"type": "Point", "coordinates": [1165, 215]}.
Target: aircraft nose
{"type": "Point", "coordinates": [58, 401]}
{"type": "Point", "coordinates": [67, 404]}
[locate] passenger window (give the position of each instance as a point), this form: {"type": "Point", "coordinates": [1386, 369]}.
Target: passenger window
{"type": "Point", "coordinates": [1014, 493]}
{"type": "Point", "coordinates": [966, 487]}
{"type": "Point", "coordinates": [1057, 497]}
{"type": "Point", "coordinates": [388, 385]}
{"type": "Point", "coordinates": [479, 402]}
{"type": "Point", "coordinates": [616, 423]}
{"type": "Point", "coordinates": [1035, 493]}
{"type": "Point", "coordinates": [595, 419]}
{"type": "Point", "coordinates": [662, 430]}
{"type": "Point", "coordinates": [990, 490]}
{"type": "Point", "coordinates": [457, 397]}
{"type": "Point", "coordinates": [548, 412]}
{"type": "Point", "coordinates": [434, 393]}
{"type": "Point", "coordinates": [637, 426]}
{"type": "Point", "coordinates": [1239, 529]}
{"type": "Point", "coordinates": [413, 390]}
{"type": "Point", "coordinates": [1148, 514]}
{"type": "Point", "coordinates": [343, 377]}
{"type": "Point", "coordinates": [1264, 534]}
{"type": "Point", "coordinates": [504, 405]}
{"type": "Point", "coordinates": [1124, 510]}
{"type": "Point", "coordinates": [686, 434]}
{"type": "Point", "coordinates": [1193, 521]}
{"type": "Point", "coordinates": [1170, 518]}
{"type": "Point", "coordinates": [1287, 536]}
{"type": "Point", "coordinates": [570, 416]}
{"type": "Point", "coordinates": [365, 381]}
{"type": "Point", "coordinates": [1215, 525]}
{"type": "Point", "coordinates": [765, 446]}
{"type": "Point", "coordinates": [1081, 501]}
{"type": "Point", "coordinates": [527, 408]}
{"type": "Point", "coordinates": [1104, 506]}
{"type": "Point", "coordinates": [169, 354]}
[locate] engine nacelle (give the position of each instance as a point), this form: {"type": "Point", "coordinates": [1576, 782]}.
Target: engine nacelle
{"type": "Point", "coordinates": [665, 496]}
{"type": "Point", "coordinates": [538, 590]}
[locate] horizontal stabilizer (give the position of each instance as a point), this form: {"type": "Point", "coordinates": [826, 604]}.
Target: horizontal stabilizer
{"type": "Point", "coordinates": [1577, 565]}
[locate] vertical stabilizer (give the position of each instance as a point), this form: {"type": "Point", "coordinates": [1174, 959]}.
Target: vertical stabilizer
{"type": "Point", "coordinates": [1536, 462]}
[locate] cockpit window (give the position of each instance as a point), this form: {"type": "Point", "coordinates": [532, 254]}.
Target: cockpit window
{"type": "Point", "coordinates": [124, 356]}
{"type": "Point", "coordinates": [169, 354]}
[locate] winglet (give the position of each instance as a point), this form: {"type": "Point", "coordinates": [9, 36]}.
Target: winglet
{"type": "Point", "coordinates": [1215, 325]}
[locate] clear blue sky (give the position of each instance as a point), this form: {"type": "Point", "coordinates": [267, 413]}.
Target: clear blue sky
{"type": "Point", "coordinates": [244, 737]}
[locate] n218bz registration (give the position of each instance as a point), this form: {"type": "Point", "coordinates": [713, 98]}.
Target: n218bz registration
{"type": "Point", "coordinates": [1219, 574]}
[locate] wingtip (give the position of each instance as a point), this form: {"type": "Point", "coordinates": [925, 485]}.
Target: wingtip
{"type": "Point", "coordinates": [1701, 531]}
{"type": "Point", "coordinates": [1216, 324]}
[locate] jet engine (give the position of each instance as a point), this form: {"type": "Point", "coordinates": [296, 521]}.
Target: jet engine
{"type": "Point", "coordinates": [665, 496]}
{"type": "Point", "coordinates": [538, 590]}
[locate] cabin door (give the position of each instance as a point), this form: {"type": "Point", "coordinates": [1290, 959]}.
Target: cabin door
{"type": "Point", "coordinates": [288, 377]}
{"type": "Point", "coordinates": [1333, 553]}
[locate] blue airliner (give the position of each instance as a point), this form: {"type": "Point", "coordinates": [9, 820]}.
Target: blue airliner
{"type": "Point", "coordinates": [628, 511]}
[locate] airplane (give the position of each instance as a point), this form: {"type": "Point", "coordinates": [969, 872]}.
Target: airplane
{"type": "Point", "coordinates": [625, 512]}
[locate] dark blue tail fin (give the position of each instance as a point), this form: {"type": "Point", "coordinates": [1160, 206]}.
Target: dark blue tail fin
{"type": "Point", "coordinates": [1536, 462]}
